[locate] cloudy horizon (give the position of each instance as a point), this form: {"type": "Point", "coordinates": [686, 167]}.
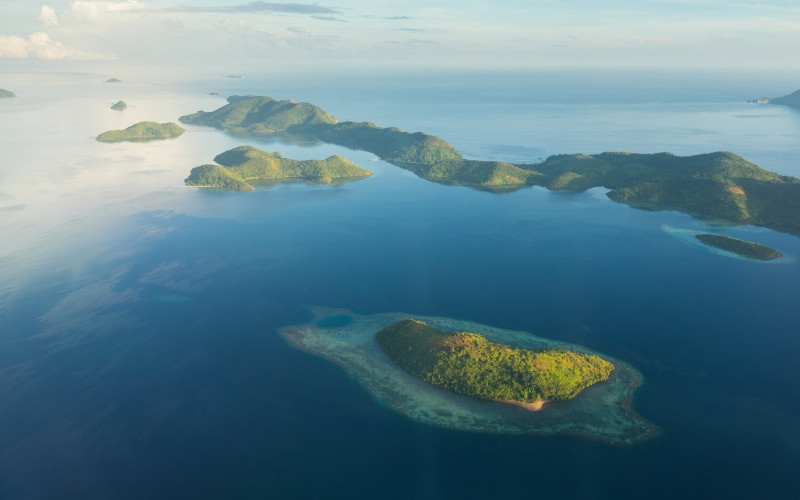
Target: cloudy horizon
{"type": "Point", "coordinates": [544, 33]}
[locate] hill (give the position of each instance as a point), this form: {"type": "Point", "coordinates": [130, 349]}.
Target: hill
{"type": "Point", "coordinates": [470, 364]}
{"type": "Point", "coordinates": [254, 115]}
{"type": "Point", "coordinates": [142, 131]}
{"type": "Point", "coordinates": [237, 167]}
{"type": "Point", "coordinates": [718, 185]}
{"type": "Point", "coordinates": [6, 93]}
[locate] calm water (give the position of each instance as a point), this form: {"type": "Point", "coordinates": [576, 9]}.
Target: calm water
{"type": "Point", "coordinates": [138, 352]}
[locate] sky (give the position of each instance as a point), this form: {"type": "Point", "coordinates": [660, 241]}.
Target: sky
{"type": "Point", "coordinates": [430, 33]}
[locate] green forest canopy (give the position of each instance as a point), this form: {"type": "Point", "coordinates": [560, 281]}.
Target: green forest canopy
{"type": "Point", "coordinates": [469, 364]}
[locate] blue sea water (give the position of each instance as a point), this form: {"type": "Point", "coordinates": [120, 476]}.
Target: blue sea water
{"type": "Point", "coordinates": [138, 347]}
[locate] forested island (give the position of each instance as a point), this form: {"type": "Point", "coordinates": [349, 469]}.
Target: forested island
{"type": "Point", "coordinates": [6, 93]}
{"type": "Point", "coordinates": [748, 249]}
{"type": "Point", "coordinates": [469, 364]}
{"type": "Point", "coordinates": [488, 365]}
{"type": "Point", "coordinates": [119, 106]}
{"type": "Point", "coordinates": [718, 185]}
{"type": "Point", "coordinates": [143, 131]}
{"type": "Point", "coordinates": [237, 167]}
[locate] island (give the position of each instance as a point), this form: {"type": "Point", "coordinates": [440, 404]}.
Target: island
{"type": "Point", "coordinates": [719, 185]}
{"type": "Point", "coordinates": [470, 364]}
{"type": "Point", "coordinates": [113, 80]}
{"type": "Point", "coordinates": [237, 167]}
{"type": "Point", "coordinates": [791, 100]}
{"type": "Point", "coordinates": [6, 93]}
{"type": "Point", "coordinates": [119, 106]}
{"type": "Point", "coordinates": [600, 411]}
{"type": "Point", "coordinates": [743, 248]}
{"type": "Point", "coordinates": [143, 131]}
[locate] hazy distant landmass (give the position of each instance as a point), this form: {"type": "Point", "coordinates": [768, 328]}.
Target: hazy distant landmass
{"type": "Point", "coordinates": [792, 100]}
{"type": "Point", "coordinates": [113, 80]}
{"type": "Point", "coordinates": [6, 93]}
{"type": "Point", "coordinates": [469, 364]}
{"type": "Point", "coordinates": [744, 248]}
{"type": "Point", "coordinates": [239, 166]}
{"type": "Point", "coordinates": [143, 131]}
{"type": "Point", "coordinates": [718, 185]}
{"type": "Point", "coordinates": [119, 106]}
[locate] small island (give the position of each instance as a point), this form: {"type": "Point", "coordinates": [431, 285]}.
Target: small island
{"type": "Point", "coordinates": [143, 131]}
{"type": "Point", "coordinates": [6, 93]}
{"type": "Point", "coordinates": [743, 248]}
{"type": "Point", "coordinates": [469, 364]}
{"type": "Point", "coordinates": [119, 106]}
{"type": "Point", "coordinates": [236, 168]}
{"type": "Point", "coordinates": [601, 411]}
{"type": "Point", "coordinates": [719, 185]}
{"type": "Point", "coordinates": [113, 80]}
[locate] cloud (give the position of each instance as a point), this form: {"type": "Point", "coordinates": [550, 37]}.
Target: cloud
{"type": "Point", "coordinates": [48, 16]}
{"type": "Point", "coordinates": [94, 10]}
{"type": "Point", "coordinates": [256, 7]}
{"type": "Point", "coordinates": [40, 46]}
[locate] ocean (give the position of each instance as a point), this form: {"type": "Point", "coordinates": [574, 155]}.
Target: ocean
{"type": "Point", "coordinates": [139, 345]}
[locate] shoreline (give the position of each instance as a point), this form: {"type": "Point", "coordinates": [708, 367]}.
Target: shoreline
{"type": "Point", "coordinates": [602, 412]}
{"type": "Point", "coordinates": [531, 406]}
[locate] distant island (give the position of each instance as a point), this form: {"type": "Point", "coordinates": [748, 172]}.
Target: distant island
{"type": "Point", "coordinates": [743, 248]}
{"type": "Point", "coordinates": [143, 131]}
{"type": "Point", "coordinates": [113, 80]}
{"type": "Point", "coordinates": [237, 167]}
{"type": "Point", "coordinates": [6, 93]}
{"type": "Point", "coordinates": [791, 100]}
{"type": "Point", "coordinates": [119, 106]}
{"type": "Point", "coordinates": [718, 185]}
{"type": "Point", "coordinates": [491, 366]}
{"type": "Point", "coordinates": [469, 364]}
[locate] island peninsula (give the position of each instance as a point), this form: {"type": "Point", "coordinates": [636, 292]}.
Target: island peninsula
{"type": "Point", "coordinates": [6, 93]}
{"type": "Point", "coordinates": [601, 411]}
{"type": "Point", "coordinates": [143, 131]}
{"type": "Point", "coordinates": [237, 167]}
{"type": "Point", "coordinates": [719, 185]}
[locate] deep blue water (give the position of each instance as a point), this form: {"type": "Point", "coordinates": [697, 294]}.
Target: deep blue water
{"type": "Point", "coordinates": [139, 354]}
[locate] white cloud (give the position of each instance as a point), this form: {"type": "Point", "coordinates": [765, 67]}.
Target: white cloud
{"type": "Point", "coordinates": [48, 16]}
{"type": "Point", "coordinates": [40, 46]}
{"type": "Point", "coordinates": [94, 11]}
